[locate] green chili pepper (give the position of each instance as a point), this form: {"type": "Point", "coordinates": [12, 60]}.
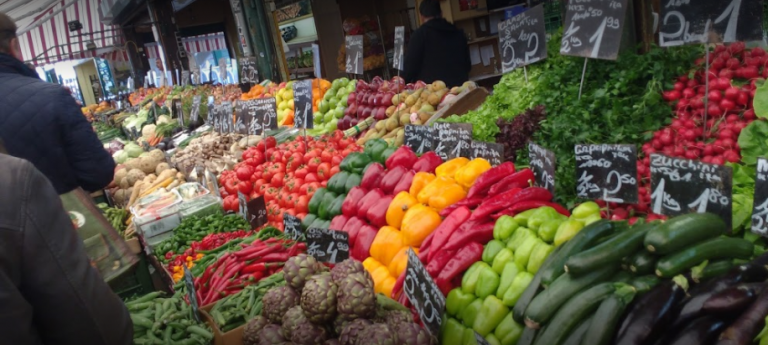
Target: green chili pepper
{"type": "Point", "coordinates": [567, 230]}
{"type": "Point", "coordinates": [469, 314]}
{"type": "Point", "coordinates": [523, 253]}
{"type": "Point", "coordinates": [517, 239]}
{"type": "Point", "coordinates": [513, 293]}
{"type": "Point", "coordinates": [538, 255]}
{"type": "Point", "coordinates": [542, 215]}
{"type": "Point", "coordinates": [469, 281]}
{"type": "Point", "coordinates": [522, 217]}
{"type": "Point", "coordinates": [452, 332]}
{"type": "Point", "coordinates": [585, 210]}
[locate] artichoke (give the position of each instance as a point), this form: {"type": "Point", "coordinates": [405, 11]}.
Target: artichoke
{"type": "Point", "coordinates": [277, 301]}
{"type": "Point", "coordinates": [394, 317]}
{"type": "Point", "coordinates": [271, 335]}
{"type": "Point", "coordinates": [356, 297]}
{"type": "Point", "coordinates": [346, 268]}
{"type": "Point", "coordinates": [376, 334]}
{"type": "Point", "coordinates": [318, 299]}
{"type": "Point", "coordinates": [339, 323]}
{"type": "Point", "coordinates": [410, 333]}
{"type": "Point", "coordinates": [352, 330]}
{"type": "Point", "coordinates": [299, 269]}
{"type": "Point", "coordinates": [331, 342]}
{"type": "Point", "coordinates": [291, 319]}
{"type": "Point", "coordinates": [307, 333]}
{"type": "Point", "coordinates": [252, 330]}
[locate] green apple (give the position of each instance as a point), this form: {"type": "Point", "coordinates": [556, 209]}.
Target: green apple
{"type": "Point", "coordinates": [344, 100]}
{"type": "Point", "coordinates": [338, 112]}
{"type": "Point", "coordinates": [332, 126]}
{"type": "Point", "coordinates": [329, 116]}
{"type": "Point", "coordinates": [350, 88]}
{"type": "Point", "coordinates": [342, 93]}
{"type": "Point", "coordinates": [343, 81]}
{"type": "Point", "coordinates": [323, 106]}
{"type": "Point", "coordinates": [334, 101]}
{"type": "Point", "coordinates": [318, 118]}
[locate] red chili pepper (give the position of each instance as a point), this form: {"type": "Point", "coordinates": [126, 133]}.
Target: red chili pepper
{"type": "Point", "coordinates": [529, 205]}
{"type": "Point", "coordinates": [391, 178]}
{"type": "Point", "coordinates": [423, 254]}
{"type": "Point", "coordinates": [447, 228]}
{"type": "Point", "coordinates": [398, 287]}
{"type": "Point", "coordinates": [427, 241]}
{"type": "Point", "coordinates": [485, 181]}
{"type": "Point", "coordinates": [377, 213]}
{"type": "Point", "coordinates": [370, 199]}
{"type": "Point", "coordinates": [276, 257]}
{"type": "Point", "coordinates": [468, 202]}
{"type": "Point", "coordinates": [464, 258]}
{"type": "Point", "coordinates": [471, 231]}
{"type": "Point", "coordinates": [509, 198]}
{"type": "Point", "coordinates": [440, 260]}
{"type": "Point", "coordinates": [520, 179]}
{"type": "Point", "coordinates": [259, 267]}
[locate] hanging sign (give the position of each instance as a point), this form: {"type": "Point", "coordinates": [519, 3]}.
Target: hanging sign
{"type": "Point", "coordinates": [302, 99]}
{"type": "Point", "coordinates": [760, 208]}
{"type": "Point", "coordinates": [423, 294]}
{"type": "Point", "coordinates": [492, 152]}
{"type": "Point", "coordinates": [607, 172]}
{"type": "Point", "coordinates": [354, 47]}
{"type": "Point", "coordinates": [264, 112]}
{"type": "Point", "coordinates": [397, 58]}
{"type": "Point", "coordinates": [452, 140]}
{"type": "Point", "coordinates": [542, 162]}
{"type": "Point", "coordinates": [328, 245]}
{"type": "Point", "coordinates": [593, 28]}
{"type": "Point", "coordinates": [522, 39]}
{"type": "Point", "coordinates": [680, 186]}
{"type": "Point", "coordinates": [418, 138]}
{"type": "Point", "coordinates": [685, 22]}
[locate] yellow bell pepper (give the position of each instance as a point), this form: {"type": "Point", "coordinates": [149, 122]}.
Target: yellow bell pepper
{"type": "Point", "coordinates": [420, 180]}
{"type": "Point", "coordinates": [467, 174]}
{"type": "Point", "coordinates": [400, 261]}
{"type": "Point", "coordinates": [418, 223]}
{"type": "Point", "coordinates": [387, 286]}
{"type": "Point", "coordinates": [401, 203]}
{"type": "Point", "coordinates": [380, 275]}
{"type": "Point", "coordinates": [370, 264]}
{"type": "Point", "coordinates": [447, 197]}
{"type": "Point", "coordinates": [435, 187]}
{"type": "Point", "coordinates": [386, 244]}
{"type": "Point", "coordinates": [449, 168]}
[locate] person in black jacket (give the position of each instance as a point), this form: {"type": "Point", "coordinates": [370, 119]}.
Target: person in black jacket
{"type": "Point", "coordinates": [437, 50]}
{"type": "Point", "coordinates": [43, 124]}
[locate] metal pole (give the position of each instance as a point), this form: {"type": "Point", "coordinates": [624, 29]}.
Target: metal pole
{"type": "Point", "coordinates": [525, 71]}
{"type": "Point", "coordinates": [583, 72]}
{"type": "Point", "coordinates": [706, 95]}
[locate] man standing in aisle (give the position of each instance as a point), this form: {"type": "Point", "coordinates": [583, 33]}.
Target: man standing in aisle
{"type": "Point", "coordinates": [49, 293]}
{"type": "Point", "coordinates": [41, 123]}
{"type": "Point", "coordinates": [437, 50]}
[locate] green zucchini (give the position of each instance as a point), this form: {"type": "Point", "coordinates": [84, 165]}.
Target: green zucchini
{"type": "Point", "coordinates": [643, 262]}
{"type": "Point", "coordinates": [518, 312]}
{"type": "Point", "coordinates": [608, 252]}
{"type": "Point", "coordinates": [572, 312]}
{"type": "Point", "coordinates": [683, 231]}
{"type": "Point", "coordinates": [713, 269]}
{"type": "Point", "coordinates": [603, 327]}
{"type": "Point", "coordinates": [578, 333]}
{"type": "Point", "coordinates": [622, 277]}
{"type": "Point", "coordinates": [545, 304]}
{"type": "Point", "coordinates": [645, 283]}
{"type": "Point", "coordinates": [584, 239]}
{"type": "Point", "coordinates": [717, 248]}
{"type": "Point", "coordinates": [528, 336]}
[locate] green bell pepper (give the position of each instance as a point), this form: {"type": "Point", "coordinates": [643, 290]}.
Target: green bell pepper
{"type": "Point", "coordinates": [521, 282]}
{"type": "Point", "coordinates": [308, 220]}
{"type": "Point", "coordinates": [452, 332]}
{"type": "Point", "coordinates": [323, 212]}
{"type": "Point", "coordinates": [468, 338]}
{"type": "Point", "coordinates": [492, 340]}
{"type": "Point", "coordinates": [567, 230]}
{"type": "Point", "coordinates": [508, 331]}
{"type": "Point", "coordinates": [548, 229]}
{"type": "Point", "coordinates": [523, 253]}
{"type": "Point", "coordinates": [517, 239]}
{"type": "Point", "coordinates": [319, 223]}
{"type": "Point", "coordinates": [491, 249]}
{"type": "Point", "coordinates": [388, 152]}
{"type": "Point", "coordinates": [502, 258]}
{"type": "Point", "coordinates": [487, 282]}
{"type": "Point", "coordinates": [538, 255]}
{"type": "Point", "coordinates": [457, 301]}
{"type": "Point", "coordinates": [585, 210]}
{"type": "Point", "coordinates": [541, 215]}
{"type": "Point", "coordinates": [335, 208]}
{"type": "Point", "coordinates": [469, 314]}
{"type": "Point", "coordinates": [355, 162]}
{"type": "Point", "coordinates": [508, 275]}
{"type": "Point", "coordinates": [353, 180]}
{"type": "Point", "coordinates": [375, 149]}
{"type": "Point", "coordinates": [504, 228]}
{"type": "Point", "coordinates": [591, 219]}
{"type": "Point", "coordinates": [337, 181]}
{"type": "Point", "coordinates": [522, 217]}
{"type": "Point", "coordinates": [469, 281]}
{"type": "Point", "coordinates": [491, 315]}
{"type": "Point", "coordinates": [317, 199]}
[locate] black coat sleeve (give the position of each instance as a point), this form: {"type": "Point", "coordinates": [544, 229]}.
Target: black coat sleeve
{"type": "Point", "coordinates": [414, 57]}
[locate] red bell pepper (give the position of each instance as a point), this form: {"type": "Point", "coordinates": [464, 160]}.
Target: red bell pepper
{"type": "Point", "coordinates": [520, 179]}
{"type": "Point", "coordinates": [485, 181]}
{"type": "Point", "coordinates": [368, 201]}
{"type": "Point", "coordinates": [447, 228]}
{"type": "Point", "coordinates": [372, 176]}
{"type": "Point", "coordinates": [338, 222]}
{"type": "Point", "coordinates": [377, 214]}
{"type": "Point", "coordinates": [402, 157]}
{"type": "Point", "coordinates": [365, 237]}
{"type": "Point", "coordinates": [428, 162]}
{"type": "Point", "coordinates": [529, 205]}
{"type": "Point", "coordinates": [349, 207]}
{"type": "Point", "coordinates": [509, 198]}
{"type": "Point", "coordinates": [471, 231]}
{"type": "Point", "coordinates": [352, 227]}
{"type": "Point", "coordinates": [405, 182]}
{"type": "Point", "coordinates": [392, 178]}
{"type": "Point", "coordinates": [465, 257]}
{"type": "Point", "coordinates": [468, 202]}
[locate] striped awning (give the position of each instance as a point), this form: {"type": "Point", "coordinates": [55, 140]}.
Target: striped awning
{"type": "Point", "coordinates": [45, 36]}
{"type": "Point", "coordinates": [195, 44]}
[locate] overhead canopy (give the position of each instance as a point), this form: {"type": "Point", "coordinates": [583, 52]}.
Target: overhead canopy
{"type": "Point", "coordinates": [196, 44]}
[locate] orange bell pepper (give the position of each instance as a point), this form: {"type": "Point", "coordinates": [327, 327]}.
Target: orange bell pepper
{"type": "Point", "coordinates": [467, 174]}
{"type": "Point", "coordinates": [447, 197]}
{"type": "Point", "coordinates": [386, 244]}
{"type": "Point", "coordinates": [418, 223]}
{"type": "Point", "coordinates": [401, 203]}
{"type": "Point", "coordinates": [434, 188]}
{"type": "Point", "coordinates": [400, 261]}
{"type": "Point", "coordinates": [449, 168]}
{"type": "Point", "coordinates": [420, 180]}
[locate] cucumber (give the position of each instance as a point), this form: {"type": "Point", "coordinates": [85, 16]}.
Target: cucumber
{"type": "Point", "coordinates": [545, 304]}
{"type": "Point", "coordinates": [642, 263]}
{"type": "Point", "coordinates": [578, 333]}
{"type": "Point", "coordinates": [645, 283]}
{"type": "Point", "coordinates": [683, 231]}
{"type": "Point", "coordinates": [518, 313]}
{"type": "Point", "coordinates": [717, 248]}
{"type": "Point", "coordinates": [584, 239]}
{"type": "Point", "coordinates": [713, 269]}
{"type": "Point", "coordinates": [606, 318]}
{"type": "Point", "coordinates": [576, 309]}
{"type": "Point", "coordinates": [608, 252]}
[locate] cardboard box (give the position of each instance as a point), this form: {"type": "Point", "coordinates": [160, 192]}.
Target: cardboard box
{"type": "Point", "coordinates": [233, 337]}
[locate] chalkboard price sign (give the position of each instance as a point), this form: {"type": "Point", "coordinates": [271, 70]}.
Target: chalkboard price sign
{"type": "Point", "coordinates": [243, 116]}
{"type": "Point", "coordinates": [264, 111]}
{"type": "Point", "coordinates": [480, 339]}
{"type": "Point", "coordinates": [195, 111]}
{"type": "Point", "coordinates": [492, 152]}
{"type": "Point", "coordinates": [522, 39]}
{"type": "Point", "coordinates": [760, 209]}
{"type": "Point", "coordinates": [354, 45]}
{"type": "Point", "coordinates": [248, 72]}
{"type": "Point", "coordinates": [292, 226]}
{"type": "Point", "coordinates": [593, 28]}
{"type": "Point", "coordinates": [328, 245]}
{"type": "Point", "coordinates": [423, 294]}
{"type": "Point", "coordinates": [607, 172]}
{"type": "Point", "coordinates": [686, 22]}
{"type": "Point", "coordinates": [452, 140]}
{"type": "Point", "coordinates": [397, 58]}
{"type": "Point", "coordinates": [302, 98]}
{"type": "Point", "coordinates": [418, 138]}
{"type": "Point", "coordinates": [257, 212]}
{"type": "Point", "coordinates": [225, 113]}
{"type": "Point", "coordinates": [543, 164]}
{"type": "Point", "coordinates": [680, 186]}
{"type": "Point", "coordinates": [189, 282]}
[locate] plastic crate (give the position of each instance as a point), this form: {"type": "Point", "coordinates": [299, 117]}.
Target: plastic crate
{"type": "Point", "coordinates": [134, 282]}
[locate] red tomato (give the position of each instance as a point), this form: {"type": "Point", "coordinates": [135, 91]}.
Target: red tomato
{"type": "Point", "coordinates": [346, 152]}
{"type": "Point", "coordinates": [276, 156]}
{"type": "Point", "coordinates": [277, 180]}
{"type": "Point", "coordinates": [254, 195]}
{"type": "Point", "coordinates": [231, 203]}
{"type": "Point", "coordinates": [335, 170]}
{"type": "Point", "coordinates": [324, 183]}
{"type": "Point", "coordinates": [326, 156]}
{"type": "Point", "coordinates": [311, 177]}
{"type": "Point", "coordinates": [231, 185]}
{"type": "Point", "coordinates": [271, 142]}
{"type": "Point", "coordinates": [244, 172]}
{"type": "Point", "coordinates": [336, 160]}
{"type": "Point", "coordinates": [271, 193]}
{"type": "Point", "coordinates": [295, 160]}
{"type": "Point", "coordinates": [324, 171]}
{"type": "Point", "coordinates": [244, 187]}
{"type": "Point", "coordinates": [301, 172]}
{"type": "Point", "coordinates": [301, 204]}
{"type": "Point", "coordinates": [259, 185]}
{"type": "Point", "coordinates": [313, 164]}
{"type": "Point", "coordinates": [290, 211]}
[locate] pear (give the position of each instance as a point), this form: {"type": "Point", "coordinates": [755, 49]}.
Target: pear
{"type": "Point", "coordinates": [400, 138]}
{"type": "Point", "coordinates": [391, 124]}
{"type": "Point", "coordinates": [390, 110]}
{"type": "Point", "coordinates": [411, 100]}
{"type": "Point", "coordinates": [424, 116]}
{"type": "Point", "coordinates": [379, 125]}
{"type": "Point", "coordinates": [439, 85]}
{"type": "Point", "coordinates": [405, 119]}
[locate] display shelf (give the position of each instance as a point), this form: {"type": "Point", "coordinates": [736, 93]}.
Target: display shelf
{"type": "Point", "coordinates": [483, 39]}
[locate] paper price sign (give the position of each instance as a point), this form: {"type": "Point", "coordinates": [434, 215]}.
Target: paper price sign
{"type": "Point", "coordinates": [680, 186]}
{"type": "Point", "coordinates": [327, 245]}
{"type": "Point", "coordinates": [397, 58]}
{"type": "Point", "coordinates": [264, 112]}
{"type": "Point", "coordinates": [607, 172]}
{"type": "Point", "coordinates": [424, 294]}
{"type": "Point", "coordinates": [522, 39]}
{"type": "Point", "coordinates": [543, 163]}
{"type": "Point", "coordinates": [292, 226]}
{"type": "Point", "coordinates": [354, 47]}
{"type": "Point", "coordinates": [760, 208]}
{"type": "Point", "coordinates": [593, 28]}
{"type": "Point", "coordinates": [452, 140]}
{"type": "Point", "coordinates": [685, 21]}
{"type": "Point", "coordinates": [257, 212]}
{"type": "Point", "coordinates": [492, 152]}
{"type": "Point", "coordinates": [242, 206]}
{"type": "Point", "coordinates": [302, 99]}
{"type": "Point", "coordinates": [189, 282]}
{"type": "Point", "coordinates": [418, 138]}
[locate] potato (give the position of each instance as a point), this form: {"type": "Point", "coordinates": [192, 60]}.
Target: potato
{"type": "Point", "coordinates": [120, 196]}
{"type": "Point", "coordinates": [120, 174]}
{"type": "Point", "coordinates": [124, 183]}
{"type": "Point", "coordinates": [162, 167]}
{"type": "Point", "coordinates": [147, 165]}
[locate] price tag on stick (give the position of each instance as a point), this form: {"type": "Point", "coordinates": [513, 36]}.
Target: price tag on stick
{"type": "Point", "coordinates": [452, 140]}
{"type": "Point", "coordinates": [423, 294]}
{"type": "Point", "coordinates": [257, 212]}
{"type": "Point", "coordinates": [328, 245]}
{"type": "Point", "coordinates": [543, 163]}
{"type": "Point", "coordinates": [292, 226]}
{"type": "Point", "coordinates": [680, 186]}
{"type": "Point", "coordinates": [354, 47]}
{"type": "Point", "coordinates": [522, 39]}
{"type": "Point", "coordinates": [694, 22]}
{"type": "Point", "coordinates": [607, 172]}
{"type": "Point", "coordinates": [760, 208]}
{"type": "Point", "coordinates": [264, 111]}
{"type": "Point", "coordinates": [189, 282]}
{"type": "Point", "coordinates": [418, 138]}
{"type": "Point", "coordinates": [177, 106]}
{"type": "Point", "coordinates": [593, 28]}
{"type": "Point", "coordinates": [397, 57]}
{"type": "Point", "coordinates": [492, 152]}
{"type": "Point", "coordinates": [244, 116]}
{"type": "Point", "coordinates": [302, 98]}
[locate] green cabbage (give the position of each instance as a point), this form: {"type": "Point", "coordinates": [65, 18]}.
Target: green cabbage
{"type": "Point", "coordinates": [120, 156]}
{"type": "Point", "coordinates": [133, 150]}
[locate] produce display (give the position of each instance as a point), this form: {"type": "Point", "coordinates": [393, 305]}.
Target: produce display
{"type": "Point", "coordinates": [333, 106]}
{"type": "Point", "coordinates": [158, 320]}
{"type": "Point", "coordinates": [215, 151]}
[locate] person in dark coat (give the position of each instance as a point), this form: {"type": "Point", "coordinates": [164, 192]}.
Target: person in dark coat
{"type": "Point", "coordinates": [41, 123]}
{"type": "Point", "coordinates": [437, 50]}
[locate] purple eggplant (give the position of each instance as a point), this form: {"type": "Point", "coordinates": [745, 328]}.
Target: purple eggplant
{"type": "Point", "coordinates": [746, 327]}
{"type": "Point", "coordinates": [702, 331]}
{"type": "Point", "coordinates": [734, 299]}
{"type": "Point", "coordinates": [651, 315]}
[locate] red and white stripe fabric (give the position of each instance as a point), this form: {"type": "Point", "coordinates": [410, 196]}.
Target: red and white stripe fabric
{"type": "Point", "coordinates": [49, 38]}
{"type": "Point", "coordinates": [195, 44]}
